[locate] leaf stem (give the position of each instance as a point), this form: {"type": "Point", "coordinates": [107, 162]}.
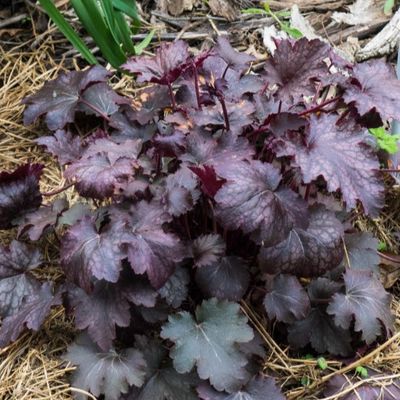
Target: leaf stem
{"type": "Point", "coordinates": [59, 190]}
{"type": "Point", "coordinates": [95, 109]}
{"type": "Point", "coordinates": [196, 86]}
{"type": "Point", "coordinates": [225, 112]}
{"type": "Point", "coordinates": [172, 96]}
{"type": "Point", "coordinates": [319, 106]}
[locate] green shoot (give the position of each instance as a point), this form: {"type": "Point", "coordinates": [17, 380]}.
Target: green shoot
{"type": "Point", "coordinates": [362, 371]}
{"type": "Point", "coordinates": [385, 140]}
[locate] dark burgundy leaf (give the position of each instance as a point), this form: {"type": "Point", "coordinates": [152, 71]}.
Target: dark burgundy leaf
{"type": "Point", "coordinates": [320, 331]}
{"type": "Point", "coordinates": [285, 122]}
{"type": "Point", "coordinates": [63, 145]}
{"type": "Point", "coordinates": [307, 252]}
{"type": "Point", "coordinates": [318, 328]}
{"type": "Point", "coordinates": [239, 116]}
{"type": "Point", "coordinates": [36, 222]}
{"type": "Point", "coordinates": [256, 346]}
{"type": "Point", "coordinates": [19, 193]}
{"type": "Point", "coordinates": [16, 283]}
{"type": "Point", "coordinates": [228, 279]}
{"type": "Point", "coordinates": [246, 84]}
{"type": "Point", "coordinates": [127, 129]}
{"type": "Point", "coordinates": [379, 387]}
{"type": "Point", "coordinates": [110, 373]}
{"type": "Point", "coordinates": [234, 59]}
{"type": "Point", "coordinates": [220, 154]}
{"type": "Point", "coordinates": [101, 100]}
{"type": "Point", "coordinates": [149, 103]}
{"type": "Point", "coordinates": [259, 388]}
{"type": "Point", "coordinates": [74, 214]}
{"type": "Point", "coordinates": [374, 86]}
{"type": "Point", "coordinates": [341, 157]}
{"type": "Point", "coordinates": [181, 191]}
{"type": "Point", "coordinates": [286, 300]}
{"type": "Point", "coordinates": [250, 200]}
{"type": "Point", "coordinates": [366, 302]}
{"type": "Point", "coordinates": [103, 165]}
{"type": "Point", "coordinates": [210, 183]}
{"type": "Point", "coordinates": [87, 253]}
{"type": "Point", "coordinates": [148, 247]}
{"type": "Point", "coordinates": [209, 342]}
{"type": "Point", "coordinates": [31, 314]}
{"type": "Point", "coordinates": [59, 98]}
{"type": "Point", "coordinates": [100, 311]}
{"type": "Point", "coordinates": [208, 250]}
{"type": "Point", "coordinates": [175, 289]}
{"type": "Point", "coordinates": [163, 68]}
{"type": "Point", "coordinates": [294, 64]}
{"type": "Point", "coordinates": [162, 381]}
{"type": "Point", "coordinates": [361, 249]}
{"type": "Point", "coordinates": [170, 145]}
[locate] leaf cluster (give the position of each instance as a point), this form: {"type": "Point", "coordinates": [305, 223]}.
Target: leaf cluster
{"type": "Point", "coordinates": [214, 184]}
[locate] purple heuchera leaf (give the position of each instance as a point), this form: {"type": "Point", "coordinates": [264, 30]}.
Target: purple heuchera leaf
{"type": "Point", "coordinates": [181, 191]}
{"type": "Point", "coordinates": [293, 66]}
{"type": "Point", "coordinates": [16, 283]}
{"type": "Point", "coordinates": [100, 311]}
{"type": "Point", "coordinates": [209, 342]}
{"type": "Point", "coordinates": [19, 193]}
{"type": "Point", "coordinates": [31, 314]}
{"type": "Point", "coordinates": [208, 250]}
{"type": "Point", "coordinates": [227, 279]}
{"type": "Point", "coordinates": [251, 200]}
{"type": "Point", "coordinates": [210, 183]}
{"type": "Point", "coordinates": [239, 115]}
{"type": "Point", "coordinates": [103, 165]}
{"type": "Point", "coordinates": [175, 289]}
{"type": "Point", "coordinates": [162, 381]}
{"type": "Point", "coordinates": [63, 145]}
{"type": "Point", "coordinates": [361, 248]}
{"type": "Point", "coordinates": [169, 62]}
{"type": "Point", "coordinates": [259, 388]}
{"type": "Point", "coordinates": [101, 100]}
{"type": "Point", "coordinates": [36, 222]}
{"type": "Point", "coordinates": [286, 300]}
{"type": "Point", "coordinates": [366, 302]}
{"type": "Point", "coordinates": [87, 253]}
{"type": "Point", "coordinates": [59, 98]}
{"type": "Point", "coordinates": [318, 328]}
{"type": "Point", "coordinates": [307, 252]}
{"type": "Point", "coordinates": [374, 86]}
{"type": "Point", "coordinates": [341, 157]}
{"type": "Point", "coordinates": [105, 372]}
{"type": "Point", "coordinates": [234, 59]}
{"type": "Point", "coordinates": [147, 246]}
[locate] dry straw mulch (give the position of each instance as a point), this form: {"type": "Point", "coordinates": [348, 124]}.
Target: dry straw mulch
{"type": "Point", "coordinates": [32, 368]}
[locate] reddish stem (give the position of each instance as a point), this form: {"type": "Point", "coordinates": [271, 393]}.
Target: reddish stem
{"type": "Point", "coordinates": [95, 109]}
{"type": "Point", "coordinates": [58, 191]}
{"type": "Point", "coordinates": [196, 86]}
{"type": "Point", "coordinates": [225, 112]}
{"type": "Point", "coordinates": [172, 96]}
{"type": "Point", "coordinates": [319, 106]}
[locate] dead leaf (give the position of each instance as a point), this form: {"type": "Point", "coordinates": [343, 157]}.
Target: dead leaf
{"type": "Point", "coordinates": [362, 12]}
{"type": "Point", "coordinates": [390, 269]}
{"type": "Point", "coordinates": [223, 8]}
{"type": "Point", "coordinates": [176, 7]}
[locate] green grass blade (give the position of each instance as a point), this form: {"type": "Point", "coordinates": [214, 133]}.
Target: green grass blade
{"type": "Point", "coordinates": [144, 43]}
{"type": "Point", "coordinates": [129, 8]}
{"type": "Point", "coordinates": [94, 22]}
{"type": "Point", "coordinates": [124, 33]}
{"type": "Point", "coordinates": [67, 30]}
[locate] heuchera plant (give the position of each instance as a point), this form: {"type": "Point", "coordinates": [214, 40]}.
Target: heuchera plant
{"type": "Point", "coordinates": [212, 185]}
